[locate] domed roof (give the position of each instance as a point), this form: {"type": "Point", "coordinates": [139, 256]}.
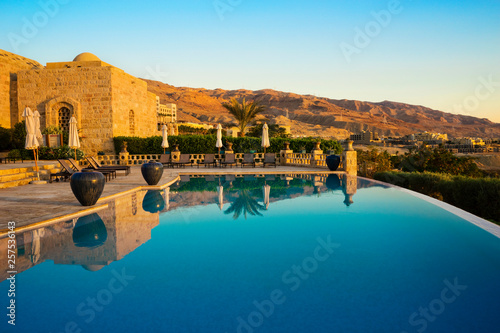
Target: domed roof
{"type": "Point", "coordinates": [86, 56]}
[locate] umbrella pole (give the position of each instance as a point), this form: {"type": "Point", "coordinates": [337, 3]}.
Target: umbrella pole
{"type": "Point", "coordinates": [36, 164]}
{"type": "Point", "coordinates": [76, 158]}
{"type": "Point", "coordinates": [163, 150]}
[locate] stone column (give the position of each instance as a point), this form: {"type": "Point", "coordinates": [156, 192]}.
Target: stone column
{"type": "Point", "coordinates": [350, 159]}
{"type": "Point", "coordinates": [286, 150]}
{"type": "Point", "coordinates": [316, 152]}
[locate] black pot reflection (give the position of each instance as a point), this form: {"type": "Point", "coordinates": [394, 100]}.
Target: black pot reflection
{"type": "Point", "coordinates": [153, 202]}
{"type": "Point", "coordinates": [89, 231]}
{"type": "Point", "coordinates": [333, 182]}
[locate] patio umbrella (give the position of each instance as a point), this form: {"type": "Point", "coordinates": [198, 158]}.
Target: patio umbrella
{"type": "Point", "coordinates": [220, 190]}
{"type": "Point", "coordinates": [265, 137]}
{"type": "Point", "coordinates": [266, 190]}
{"type": "Point", "coordinates": [31, 141]}
{"type": "Point", "coordinates": [74, 142]}
{"type": "Point", "coordinates": [218, 144]}
{"type": "Point", "coordinates": [38, 133]}
{"type": "Point", "coordinates": [164, 134]}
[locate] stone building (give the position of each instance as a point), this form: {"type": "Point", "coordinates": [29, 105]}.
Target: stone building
{"type": "Point", "coordinates": [106, 101]}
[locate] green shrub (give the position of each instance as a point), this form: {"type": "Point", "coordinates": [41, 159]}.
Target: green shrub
{"type": "Point", "coordinates": [46, 153]}
{"type": "Point", "coordinates": [205, 144]}
{"type": "Point", "coordinates": [5, 138]}
{"type": "Point", "coordinates": [479, 196]}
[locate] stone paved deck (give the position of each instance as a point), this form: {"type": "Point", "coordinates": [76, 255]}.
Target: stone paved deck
{"type": "Point", "coordinates": [36, 203]}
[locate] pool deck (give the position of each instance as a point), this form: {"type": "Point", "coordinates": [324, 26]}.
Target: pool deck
{"type": "Point", "coordinates": [47, 203]}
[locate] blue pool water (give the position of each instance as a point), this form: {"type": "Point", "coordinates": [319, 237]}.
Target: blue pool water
{"type": "Point", "coordinates": [326, 255]}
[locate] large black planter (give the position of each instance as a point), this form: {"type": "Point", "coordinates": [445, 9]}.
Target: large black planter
{"type": "Point", "coordinates": [152, 172]}
{"type": "Point", "coordinates": [153, 202]}
{"type": "Point", "coordinates": [333, 162]}
{"type": "Point", "coordinates": [89, 231]}
{"type": "Point", "coordinates": [87, 186]}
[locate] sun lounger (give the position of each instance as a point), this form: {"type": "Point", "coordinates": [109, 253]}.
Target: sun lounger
{"type": "Point", "coordinates": [208, 161]}
{"type": "Point", "coordinates": [269, 158]}
{"type": "Point", "coordinates": [228, 160]}
{"type": "Point", "coordinates": [107, 173]}
{"type": "Point", "coordinates": [94, 164]}
{"type": "Point", "coordinates": [183, 161]}
{"type": "Point", "coordinates": [248, 159]}
{"type": "Point", "coordinates": [165, 159]}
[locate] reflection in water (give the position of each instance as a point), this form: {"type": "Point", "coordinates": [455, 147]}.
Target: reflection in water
{"type": "Point", "coordinates": [90, 231]}
{"type": "Point", "coordinates": [245, 203]}
{"type": "Point", "coordinates": [333, 182]}
{"type": "Point", "coordinates": [92, 241]}
{"type": "Point", "coordinates": [153, 202]}
{"type": "Point", "coordinates": [96, 240]}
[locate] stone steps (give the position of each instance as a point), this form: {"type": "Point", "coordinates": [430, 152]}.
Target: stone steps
{"type": "Point", "coordinates": [23, 176]}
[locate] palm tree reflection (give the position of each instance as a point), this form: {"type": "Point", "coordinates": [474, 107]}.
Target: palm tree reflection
{"type": "Point", "coordinates": [245, 203]}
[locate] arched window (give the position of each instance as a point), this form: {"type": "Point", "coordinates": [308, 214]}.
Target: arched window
{"type": "Point", "coordinates": [131, 122]}
{"type": "Point", "coordinates": [64, 115]}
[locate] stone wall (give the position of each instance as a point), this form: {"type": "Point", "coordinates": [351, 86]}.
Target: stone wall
{"type": "Point", "coordinates": [134, 108]}
{"type": "Point", "coordinates": [10, 64]}
{"type": "Point", "coordinates": [86, 92]}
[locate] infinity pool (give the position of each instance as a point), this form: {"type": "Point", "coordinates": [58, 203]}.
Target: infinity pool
{"type": "Point", "coordinates": [274, 253]}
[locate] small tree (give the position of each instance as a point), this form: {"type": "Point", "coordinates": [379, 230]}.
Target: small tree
{"type": "Point", "coordinates": [243, 112]}
{"type": "Point", "coordinates": [275, 131]}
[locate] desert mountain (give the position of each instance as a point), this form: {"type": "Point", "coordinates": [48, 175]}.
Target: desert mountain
{"type": "Point", "coordinates": [319, 116]}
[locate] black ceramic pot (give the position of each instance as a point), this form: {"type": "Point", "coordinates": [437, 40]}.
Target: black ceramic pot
{"type": "Point", "coordinates": [89, 231]}
{"type": "Point", "coordinates": [87, 186]}
{"type": "Point", "coordinates": [152, 172]}
{"type": "Point", "coordinates": [333, 162]}
{"type": "Point", "coordinates": [153, 202]}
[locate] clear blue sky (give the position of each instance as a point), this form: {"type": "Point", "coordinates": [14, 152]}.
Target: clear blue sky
{"type": "Point", "coordinates": [440, 54]}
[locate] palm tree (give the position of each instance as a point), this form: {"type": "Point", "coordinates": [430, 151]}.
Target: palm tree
{"type": "Point", "coordinates": [243, 112]}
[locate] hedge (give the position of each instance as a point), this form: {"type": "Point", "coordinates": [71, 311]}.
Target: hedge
{"type": "Point", "coordinates": [479, 196]}
{"type": "Point", "coordinates": [205, 144]}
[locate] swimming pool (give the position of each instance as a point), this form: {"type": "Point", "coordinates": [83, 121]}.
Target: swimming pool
{"type": "Point", "coordinates": [269, 253]}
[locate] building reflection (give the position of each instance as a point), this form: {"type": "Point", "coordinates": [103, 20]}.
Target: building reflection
{"type": "Point", "coordinates": [92, 241]}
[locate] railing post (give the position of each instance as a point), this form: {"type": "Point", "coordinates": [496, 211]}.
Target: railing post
{"type": "Point", "coordinates": [284, 152]}
{"type": "Point", "coordinates": [316, 152]}
{"type": "Point", "coordinates": [350, 157]}
{"type": "Point", "coordinates": [175, 155]}
{"type": "Point", "coordinates": [124, 154]}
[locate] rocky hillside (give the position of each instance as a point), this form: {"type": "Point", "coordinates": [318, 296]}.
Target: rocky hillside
{"type": "Point", "coordinates": [318, 116]}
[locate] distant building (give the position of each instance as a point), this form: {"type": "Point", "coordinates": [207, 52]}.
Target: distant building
{"type": "Point", "coordinates": [429, 137]}
{"type": "Point", "coordinates": [365, 137]}
{"type": "Point", "coordinates": [167, 113]}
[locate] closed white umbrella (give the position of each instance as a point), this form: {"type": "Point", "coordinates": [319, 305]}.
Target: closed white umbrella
{"type": "Point", "coordinates": [265, 137]}
{"type": "Point", "coordinates": [38, 133]}
{"type": "Point", "coordinates": [164, 134]}
{"type": "Point", "coordinates": [266, 190]}
{"type": "Point", "coordinates": [74, 141]}
{"type": "Point", "coordinates": [218, 144]}
{"type": "Point", "coordinates": [31, 142]}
